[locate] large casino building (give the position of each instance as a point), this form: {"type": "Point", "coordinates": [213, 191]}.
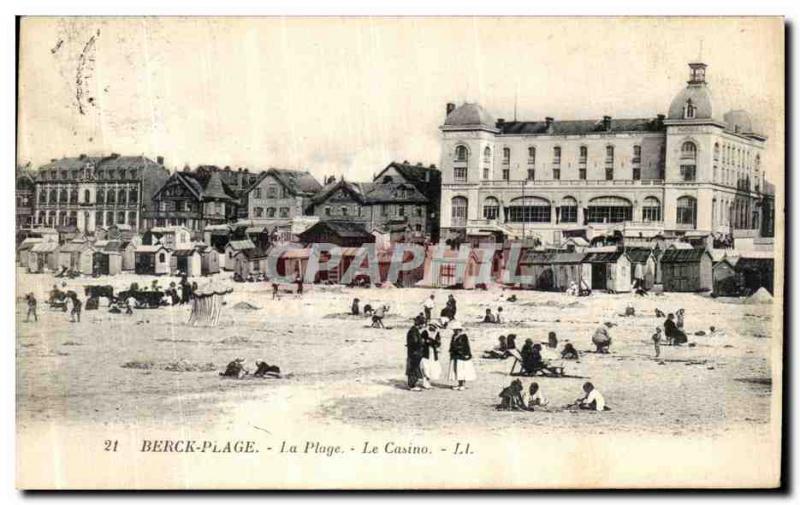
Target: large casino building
{"type": "Point", "coordinates": [693, 171]}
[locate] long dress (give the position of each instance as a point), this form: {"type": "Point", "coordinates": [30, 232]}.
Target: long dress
{"type": "Point", "coordinates": [461, 367]}
{"type": "Point", "coordinates": [414, 349]}
{"type": "Point", "coordinates": [430, 365]}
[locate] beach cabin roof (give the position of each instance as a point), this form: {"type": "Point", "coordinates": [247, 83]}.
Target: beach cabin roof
{"type": "Point", "coordinates": [602, 257]}
{"type": "Point", "coordinates": [44, 247]}
{"type": "Point", "coordinates": [683, 255]}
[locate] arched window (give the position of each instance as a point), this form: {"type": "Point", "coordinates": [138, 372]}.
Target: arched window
{"type": "Point", "coordinates": [462, 154]}
{"type": "Point", "coordinates": [688, 161]}
{"type": "Point", "coordinates": [531, 155]}
{"type": "Point", "coordinates": [162, 257]}
{"type": "Point", "coordinates": [609, 209]}
{"type": "Point", "coordinates": [529, 209]}
{"type": "Point", "coordinates": [111, 196]}
{"type": "Point", "coordinates": [109, 218]}
{"type": "Point", "coordinates": [557, 156]}
{"type": "Point", "coordinates": [132, 218]}
{"type": "Point", "coordinates": [121, 197]}
{"type": "Point", "coordinates": [73, 196]}
{"type": "Point", "coordinates": [101, 196]}
{"type": "Point", "coordinates": [491, 208]}
{"type": "Point", "coordinates": [271, 211]}
{"type": "Point", "coordinates": [133, 195]}
{"type": "Point", "coordinates": [53, 196]}
{"type": "Point", "coordinates": [687, 211]}
{"type": "Point", "coordinates": [62, 197]}
{"type": "Point", "coordinates": [42, 196]}
{"type": "Point", "coordinates": [121, 217]}
{"type": "Point", "coordinates": [259, 211]}
{"type": "Point", "coordinates": [716, 151]}
{"type": "Point", "coordinates": [506, 156]}
{"type": "Point", "coordinates": [568, 211]}
{"type": "Point", "coordinates": [458, 211]}
{"type": "Point", "coordinates": [87, 196]}
{"type": "Point", "coordinates": [651, 209]}
{"type": "Point", "coordinates": [487, 162]}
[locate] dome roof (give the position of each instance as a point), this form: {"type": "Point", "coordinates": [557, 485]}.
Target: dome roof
{"type": "Point", "coordinates": [700, 96]}
{"type": "Point", "coordinates": [470, 114]}
{"type": "Point", "coordinates": [739, 121]}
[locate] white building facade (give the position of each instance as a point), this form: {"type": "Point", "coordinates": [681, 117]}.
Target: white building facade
{"type": "Point", "coordinates": [688, 171]}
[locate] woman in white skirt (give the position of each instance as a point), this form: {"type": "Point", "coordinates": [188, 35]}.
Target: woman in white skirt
{"type": "Point", "coordinates": [461, 368]}
{"type": "Point", "coordinates": [431, 341]}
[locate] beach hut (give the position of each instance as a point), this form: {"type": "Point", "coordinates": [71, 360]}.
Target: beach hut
{"type": "Point", "coordinates": [294, 262]}
{"type": "Point", "coordinates": [77, 256]}
{"type": "Point", "coordinates": [405, 278]}
{"type": "Point", "coordinates": [250, 261]}
{"type": "Point", "coordinates": [756, 271]}
{"type": "Point", "coordinates": [43, 257]}
{"type": "Point", "coordinates": [643, 265]}
{"type": "Point", "coordinates": [726, 281]}
{"type": "Point", "coordinates": [106, 261]}
{"type": "Point", "coordinates": [152, 260]}
{"type": "Point", "coordinates": [232, 249]}
{"type": "Point", "coordinates": [687, 270]}
{"type": "Point", "coordinates": [610, 270]}
{"type": "Point", "coordinates": [450, 268]}
{"type": "Point", "coordinates": [186, 261]}
{"type": "Point", "coordinates": [209, 260]}
{"type": "Point", "coordinates": [554, 271]}
{"type": "Point", "coordinates": [127, 252]}
{"type": "Point", "coordinates": [24, 250]}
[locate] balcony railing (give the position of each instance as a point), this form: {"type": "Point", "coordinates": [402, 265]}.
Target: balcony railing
{"type": "Point", "coordinates": [570, 182]}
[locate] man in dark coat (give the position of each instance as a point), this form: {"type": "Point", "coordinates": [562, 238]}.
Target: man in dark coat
{"type": "Point", "coordinates": [415, 350]}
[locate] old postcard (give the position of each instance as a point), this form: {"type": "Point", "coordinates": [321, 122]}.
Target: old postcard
{"type": "Point", "coordinates": [399, 253]}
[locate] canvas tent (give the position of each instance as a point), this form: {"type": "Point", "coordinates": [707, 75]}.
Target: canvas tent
{"type": "Point", "coordinates": [207, 305]}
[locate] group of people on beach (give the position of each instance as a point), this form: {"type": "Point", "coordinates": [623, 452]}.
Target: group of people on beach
{"type": "Point", "coordinates": [515, 397]}
{"type": "Point", "coordinates": [423, 344]}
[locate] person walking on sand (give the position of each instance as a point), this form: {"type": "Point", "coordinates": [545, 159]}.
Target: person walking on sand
{"type": "Point", "coordinates": [431, 369]}
{"type": "Point", "coordinates": [75, 313]}
{"type": "Point", "coordinates": [414, 352]}
{"type": "Point", "coordinates": [428, 306]}
{"type": "Point", "coordinates": [275, 291]}
{"type": "Point", "coordinates": [461, 368]}
{"type": "Point", "coordinates": [657, 341]}
{"type": "Point", "coordinates": [299, 281]}
{"type": "Point", "coordinates": [679, 319]}
{"type": "Point", "coordinates": [30, 300]}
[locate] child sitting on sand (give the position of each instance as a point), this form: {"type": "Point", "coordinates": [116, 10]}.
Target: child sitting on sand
{"type": "Point", "coordinates": [592, 399]}
{"type": "Point", "coordinates": [500, 351]}
{"type": "Point", "coordinates": [511, 397]}
{"type": "Point", "coordinates": [535, 397]}
{"type": "Point", "coordinates": [569, 351]}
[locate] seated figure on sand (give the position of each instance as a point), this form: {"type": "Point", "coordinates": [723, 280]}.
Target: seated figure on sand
{"type": "Point", "coordinates": [511, 397]}
{"type": "Point", "coordinates": [235, 369]}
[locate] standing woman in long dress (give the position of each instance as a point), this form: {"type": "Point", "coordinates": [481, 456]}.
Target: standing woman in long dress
{"type": "Point", "coordinates": [432, 341]}
{"type": "Point", "coordinates": [461, 368]}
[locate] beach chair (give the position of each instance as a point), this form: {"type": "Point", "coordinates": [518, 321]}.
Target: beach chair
{"type": "Point", "coordinates": [554, 368]}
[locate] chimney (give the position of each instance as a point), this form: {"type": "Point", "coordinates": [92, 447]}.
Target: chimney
{"type": "Point", "coordinates": [548, 121]}
{"type": "Point", "coordinates": [160, 160]}
{"type": "Point", "coordinates": [433, 165]}
{"type": "Point", "coordinates": [450, 108]}
{"type": "Point", "coordinates": [113, 155]}
{"type": "Point", "coordinates": [607, 123]}
{"type": "Point", "coordinates": [500, 122]}
{"type": "Point", "coordinates": [186, 168]}
{"type": "Point", "coordinates": [82, 157]}
{"type": "Point", "coordinates": [419, 163]}
{"type": "Point", "coordinates": [227, 168]}
{"type": "Point", "coordinates": [660, 120]}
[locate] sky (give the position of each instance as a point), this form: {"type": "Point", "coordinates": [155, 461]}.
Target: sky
{"type": "Point", "coordinates": [346, 96]}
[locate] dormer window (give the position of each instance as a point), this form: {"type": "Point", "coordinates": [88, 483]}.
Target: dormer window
{"type": "Point", "coordinates": [690, 110]}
